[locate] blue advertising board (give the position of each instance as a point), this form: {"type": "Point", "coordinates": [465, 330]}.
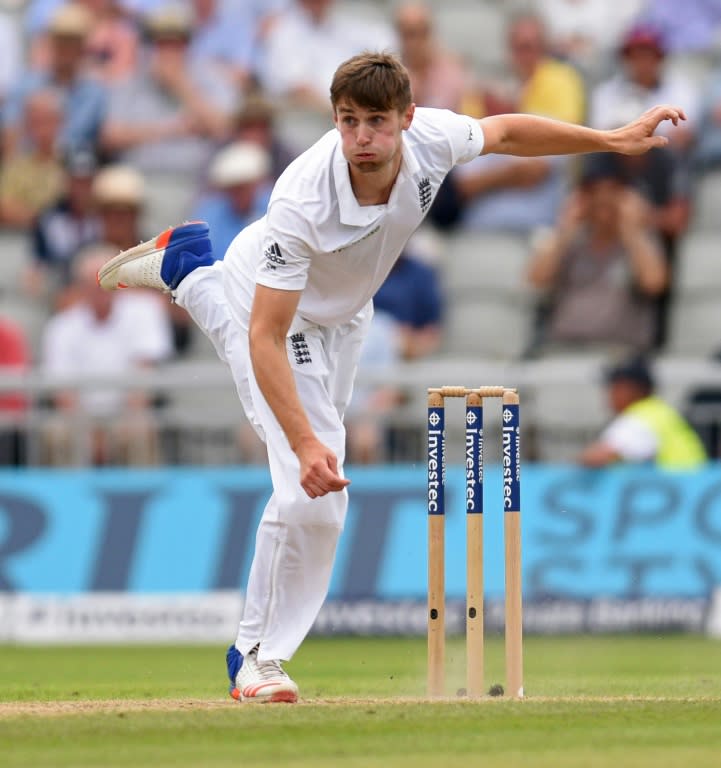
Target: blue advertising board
{"type": "Point", "coordinates": [619, 533]}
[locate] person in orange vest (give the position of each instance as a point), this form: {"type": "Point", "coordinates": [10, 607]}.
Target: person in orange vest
{"type": "Point", "coordinates": [646, 429]}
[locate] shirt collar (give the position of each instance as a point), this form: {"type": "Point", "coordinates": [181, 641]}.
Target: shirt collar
{"type": "Point", "coordinates": [362, 215]}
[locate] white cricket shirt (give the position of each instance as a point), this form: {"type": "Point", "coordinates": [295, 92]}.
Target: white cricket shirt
{"type": "Point", "coordinates": [315, 236]}
{"type": "Point", "coordinates": [75, 343]}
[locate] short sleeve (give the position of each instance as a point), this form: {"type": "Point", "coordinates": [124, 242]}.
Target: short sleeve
{"type": "Point", "coordinates": [464, 133]}
{"type": "Point", "coordinates": [286, 246]}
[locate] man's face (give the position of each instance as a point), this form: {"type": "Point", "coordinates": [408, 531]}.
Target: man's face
{"type": "Point", "coordinates": [622, 393]}
{"type": "Point", "coordinates": [119, 222]}
{"type": "Point", "coordinates": [371, 139]}
{"type": "Point", "coordinates": [43, 122]}
{"type": "Point", "coordinates": [526, 46]}
{"type": "Point", "coordinates": [643, 65]}
{"type": "Point", "coordinates": [413, 27]}
{"type": "Point", "coordinates": [67, 53]}
{"type": "Point", "coordinates": [242, 196]}
{"type": "Point", "coordinates": [80, 192]}
{"type": "Point", "coordinates": [604, 196]}
{"type": "Point", "coordinates": [317, 9]}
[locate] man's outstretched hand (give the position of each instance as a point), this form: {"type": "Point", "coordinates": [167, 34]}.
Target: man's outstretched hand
{"type": "Point", "coordinates": [319, 469]}
{"type": "Point", "coordinates": [638, 136]}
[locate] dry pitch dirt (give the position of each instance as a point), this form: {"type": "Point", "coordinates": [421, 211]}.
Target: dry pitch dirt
{"type": "Point", "coordinates": [10, 710]}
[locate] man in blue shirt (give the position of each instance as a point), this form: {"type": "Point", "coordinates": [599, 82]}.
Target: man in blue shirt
{"type": "Point", "coordinates": [240, 177]}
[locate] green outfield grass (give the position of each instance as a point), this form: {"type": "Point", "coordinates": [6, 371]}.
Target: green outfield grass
{"type": "Point", "coordinates": [591, 701]}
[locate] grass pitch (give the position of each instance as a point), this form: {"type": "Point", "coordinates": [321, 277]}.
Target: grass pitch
{"type": "Point", "coordinates": [591, 701]}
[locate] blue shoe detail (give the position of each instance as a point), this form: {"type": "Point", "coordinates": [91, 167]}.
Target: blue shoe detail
{"type": "Point", "coordinates": [234, 661]}
{"type": "Point", "coordinates": [188, 248]}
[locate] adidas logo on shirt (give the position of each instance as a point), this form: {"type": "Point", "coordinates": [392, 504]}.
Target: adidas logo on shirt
{"type": "Point", "coordinates": [273, 257]}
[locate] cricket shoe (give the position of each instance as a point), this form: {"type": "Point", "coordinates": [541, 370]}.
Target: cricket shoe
{"type": "Point", "coordinates": [260, 681]}
{"type": "Point", "coordinates": [161, 262]}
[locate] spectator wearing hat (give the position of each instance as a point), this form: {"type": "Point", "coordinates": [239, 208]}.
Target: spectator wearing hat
{"type": "Point", "coordinates": [119, 197]}
{"type": "Point", "coordinates": [118, 194]}
{"type": "Point", "coordinates": [64, 227]}
{"type": "Point", "coordinates": [642, 81]}
{"type": "Point", "coordinates": [255, 122]}
{"type": "Point", "coordinates": [33, 177]}
{"type": "Point", "coordinates": [84, 97]}
{"type": "Point", "coordinates": [601, 267]}
{"type": "Point", "coordinates": [645, 428]}
{"type": "Point", "coordinates": [170, 115]}
{"type": "Point", "coordinates": [240, 178]}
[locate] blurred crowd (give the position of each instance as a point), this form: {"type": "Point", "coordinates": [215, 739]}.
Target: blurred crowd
{"type": "Point", "coordinates": [119, 118]}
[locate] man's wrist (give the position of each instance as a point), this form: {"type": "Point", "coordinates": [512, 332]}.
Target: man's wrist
{"type": "Point", "coordinates": [298, 442]}
{"type": "Point", "coordinates": [610, 140]}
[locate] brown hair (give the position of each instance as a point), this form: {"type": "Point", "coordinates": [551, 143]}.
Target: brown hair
{"type": "Point", "coordinates": [373, 81]}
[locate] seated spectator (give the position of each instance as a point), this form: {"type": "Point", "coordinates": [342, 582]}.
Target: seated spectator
{"type": "Point", "coordinates": [516, 194]}
{"type": "Point", "coordinates": [645, 428]}
{"type": "Point", "coordinates": [84, 98]}
{"type": "Point", "coordinates": [661, 177]}
{"type": "Point", "coordinates": [241, 185]}
{"type": "Point", "coordinates": [119, 194]}
{"type": "Point", "coordinates": [33, 178]}
{"type": "Point", "coordinates": [642, 82]}
{"type": "Point", "coordinates": [438, 77]}
{"type": "Point", "coordinates": [585, 32]}
{"type": "Point", "coordinates": [103, 335]}
{"type": "Point", "coordinates": [601, 268]}
{"type": "Point", "coordinates": [113, 45]}
{"type": "Point", "coordinates": [692, 28]}
{"type": "Point", "coordinates": [255, 122]}
{"type": "Point", "coordinates": [541, 84]}
{"type": "Point", "coordinates": [14, 359]}
{"type": "Point", "coordinates": [302, 78]}
{"type": "Point", "coordinates": [63, 228]}
{"type": "Point", "coordinates": [168, 117]}
{"type": "Point", "coordinates": [226, 34]}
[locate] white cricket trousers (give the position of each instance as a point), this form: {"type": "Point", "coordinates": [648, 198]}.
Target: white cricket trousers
{"type": "Point", "coordinates": [296, 540]}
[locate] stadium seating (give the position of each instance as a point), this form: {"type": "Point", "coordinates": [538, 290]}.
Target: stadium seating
{"type": "Point", "coordinates": [695, 320]}
{"type": "Point", "coordinates": [489, 303]}
{"type": "Point", "coordinates": [475, 31]}
{"type": "Point", "coordinates": [706, 202]}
